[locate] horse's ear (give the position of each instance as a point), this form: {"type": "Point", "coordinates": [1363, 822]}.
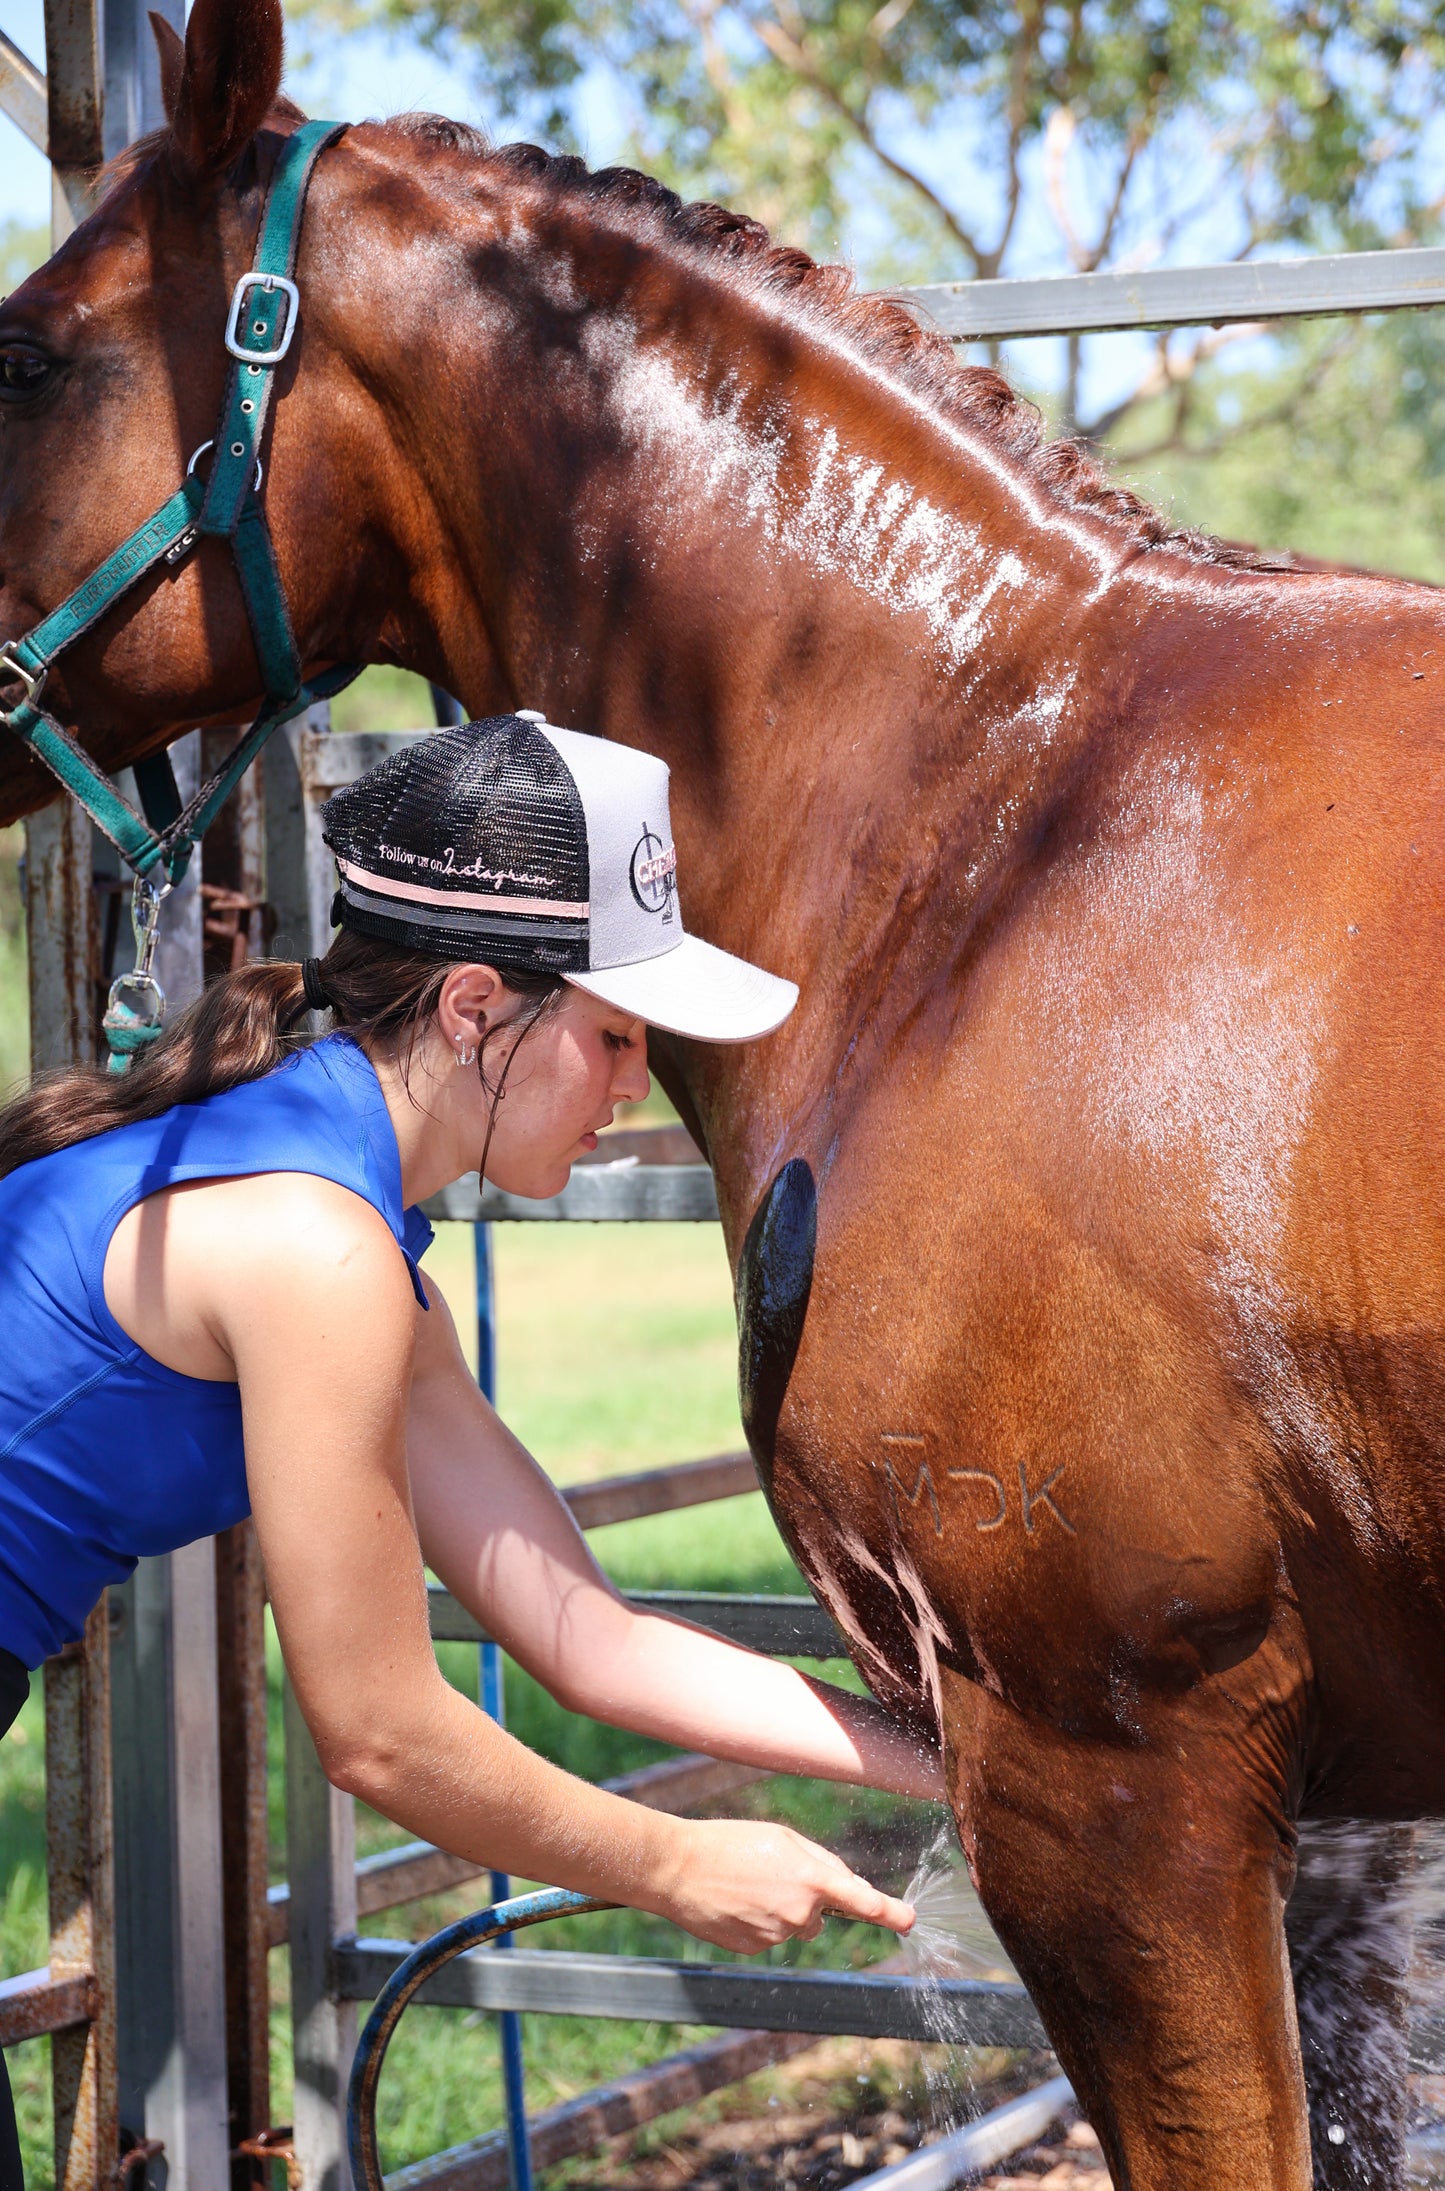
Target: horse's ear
{"type": "Point", "coordinates": [172, 50]}
{"type": "Point", "coordinates": [220, 85]}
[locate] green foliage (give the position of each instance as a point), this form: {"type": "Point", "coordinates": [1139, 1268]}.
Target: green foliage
{"type": "Point", "coordinates": [384, 698]}
{"type": "Point", "coordinates": [1335, 449]}
{"type": "Point", "coordinates": [1309, 113]}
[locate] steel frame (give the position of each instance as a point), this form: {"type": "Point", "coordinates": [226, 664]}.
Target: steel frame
{"type": "Point", "coordinates": [98, 1995]}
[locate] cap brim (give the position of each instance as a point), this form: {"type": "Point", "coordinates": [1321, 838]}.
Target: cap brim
{"type": "Point", "coordinates": [696, 990]}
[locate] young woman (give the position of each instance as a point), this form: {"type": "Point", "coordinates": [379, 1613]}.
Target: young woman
{"type": "Point", "coordinates": [211, 1301]}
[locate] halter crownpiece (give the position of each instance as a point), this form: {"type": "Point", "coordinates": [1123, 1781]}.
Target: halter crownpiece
{"type": "Point", "coordinates": [261, 324]}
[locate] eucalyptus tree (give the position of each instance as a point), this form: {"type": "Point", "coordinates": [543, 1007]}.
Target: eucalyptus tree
{"type": "Point", "coordinates": [937, 140]}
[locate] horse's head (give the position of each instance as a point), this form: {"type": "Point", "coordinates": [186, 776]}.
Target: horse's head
{"type": "Point", "coordinates": [112, 368]}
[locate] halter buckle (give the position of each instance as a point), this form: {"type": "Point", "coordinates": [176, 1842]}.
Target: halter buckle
{"type": "Point", "coordinates": [33, 681]}
{"type": "Point", "coordinates": [270, 283]}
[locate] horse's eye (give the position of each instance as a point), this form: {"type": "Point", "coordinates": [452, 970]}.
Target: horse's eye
{"type": "Point", "coordinates": [23, 373]}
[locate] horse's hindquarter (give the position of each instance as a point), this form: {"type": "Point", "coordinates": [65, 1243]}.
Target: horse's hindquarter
{"type": "Point", "coordinates": [1122, 1363]}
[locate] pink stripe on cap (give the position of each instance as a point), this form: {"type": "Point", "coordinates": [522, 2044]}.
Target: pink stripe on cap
{"type": "Point", "coordinates": [484, 900]}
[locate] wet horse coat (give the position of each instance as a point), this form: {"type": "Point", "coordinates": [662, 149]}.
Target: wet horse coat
{"type": "Point", "coordinates": [1087, 1214]}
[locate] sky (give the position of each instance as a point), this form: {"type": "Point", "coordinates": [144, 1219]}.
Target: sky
{"type": "Point", "coordinates": [364, 74]}
{"type": "Point", "coordinates": [357, 76]}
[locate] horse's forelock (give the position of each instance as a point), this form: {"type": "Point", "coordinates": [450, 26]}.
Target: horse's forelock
{"type": "Point", "coordinates": [142, 153]}
{"type": "Point", "coordinates": [129, 162]}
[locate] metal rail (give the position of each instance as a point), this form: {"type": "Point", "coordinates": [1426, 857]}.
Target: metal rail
{"type": "Point", "coordinates": [1183, 296]}
{"type": "Point", "coordinates": [661, 1490]}
{"type": "Point", "coordinates": [633, 1193]}
{"type": "Point", "coordinates": [978, 2145]}
{"type": "Point", "coordinates": [781, 1627]}
{"type": "Point", "coordinates": [862, 2004]}
{"type": "Point", "coordinates": [608, 2111]}
{"type": "Point", "coordinates": [41, 2001]}
{"type": "Point", "coordinates": [23, 94]}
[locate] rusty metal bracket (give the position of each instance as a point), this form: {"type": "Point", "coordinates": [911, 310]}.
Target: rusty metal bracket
{"type": "Point", "coordinates": [274, 2145]}
{"type": "Point", "coordinates": [135, 2163]}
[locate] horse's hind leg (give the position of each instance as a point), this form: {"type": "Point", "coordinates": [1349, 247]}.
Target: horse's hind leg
{"type": "Point", "coordinates": [1349, 1938]}
{"type": "Point", "coordinates": [1140, 1894]}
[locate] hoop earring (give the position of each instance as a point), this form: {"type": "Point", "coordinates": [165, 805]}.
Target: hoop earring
{"type": "Point", "coordinates": [465, 1054]}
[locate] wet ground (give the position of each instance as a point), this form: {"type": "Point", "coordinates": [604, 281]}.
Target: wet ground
{"type": "Point", "coordinates": [834, 2115]}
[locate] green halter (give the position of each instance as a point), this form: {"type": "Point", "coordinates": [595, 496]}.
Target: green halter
{"type": "Point", "coordinates": [156, 846]}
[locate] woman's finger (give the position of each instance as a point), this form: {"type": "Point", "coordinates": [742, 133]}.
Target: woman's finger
{"type": "Point", "coordinates": [860, 1900]}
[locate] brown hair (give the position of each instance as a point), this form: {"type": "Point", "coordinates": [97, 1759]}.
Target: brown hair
{"type": "Point", "coordinates": [241, 1028]}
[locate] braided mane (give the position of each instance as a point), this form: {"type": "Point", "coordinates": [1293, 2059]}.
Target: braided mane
{"type": "Point", "coordinates": [884, 332]}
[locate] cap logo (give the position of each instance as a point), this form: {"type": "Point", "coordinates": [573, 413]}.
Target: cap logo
{"type": "Point", "coordinates": [653, 874]}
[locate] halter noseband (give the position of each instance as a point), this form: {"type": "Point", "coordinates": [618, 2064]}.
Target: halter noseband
{"type": "Point", "coordinates": [262, 320]}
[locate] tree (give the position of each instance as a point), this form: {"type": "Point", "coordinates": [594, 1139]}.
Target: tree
{"type": "Point", "coordinates": [947, 141]}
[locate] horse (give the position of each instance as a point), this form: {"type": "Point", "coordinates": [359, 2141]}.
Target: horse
{"type": "Point", "coordinates": [1087, 1216]}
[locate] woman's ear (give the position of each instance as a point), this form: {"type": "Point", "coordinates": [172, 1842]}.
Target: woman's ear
{"type": "Point", "coordinates": [471, 1001]}
{"type": "Point", "coordinates": [219, 85]}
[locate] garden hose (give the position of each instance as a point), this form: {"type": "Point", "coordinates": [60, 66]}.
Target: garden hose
{"type": "Point", "coordinates": [423, 1963]}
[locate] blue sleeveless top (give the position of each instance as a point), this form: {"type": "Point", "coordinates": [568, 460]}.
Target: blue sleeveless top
{"type": "Point", "coordinates": [104, 1453]}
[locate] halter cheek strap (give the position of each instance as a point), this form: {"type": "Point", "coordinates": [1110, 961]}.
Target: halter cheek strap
{"type": "Point", "coordinates": [260, 327]}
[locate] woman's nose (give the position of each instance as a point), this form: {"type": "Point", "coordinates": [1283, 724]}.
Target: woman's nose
{"type": "Point", "coordinates": [634, 1082]}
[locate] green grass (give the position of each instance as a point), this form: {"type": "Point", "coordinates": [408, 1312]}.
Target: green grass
{"type": "Point", "coordinates": [24, 1927]}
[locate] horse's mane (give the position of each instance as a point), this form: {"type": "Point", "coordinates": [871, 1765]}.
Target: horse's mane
{"type": "Point", "coordinates": [879, 328]}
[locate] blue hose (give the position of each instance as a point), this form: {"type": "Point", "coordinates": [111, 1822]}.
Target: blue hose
{"type": "Point", "coordinates": [423, 1963]}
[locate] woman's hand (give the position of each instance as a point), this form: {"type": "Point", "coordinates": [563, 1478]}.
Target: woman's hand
{"type": "Point", "coordinates": [746, 1886]}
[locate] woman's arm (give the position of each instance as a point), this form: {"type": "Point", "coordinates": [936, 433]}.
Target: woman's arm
{"type": "Point", "coordinates": [503, 1542]}
{"type": "Point", "coordinates": [314, 1306]}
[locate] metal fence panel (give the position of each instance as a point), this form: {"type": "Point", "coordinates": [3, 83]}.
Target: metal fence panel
{"type": "Point", "coordinates": [957, 2012]}
{"type": "Point", "coordinates": [1183, 296]}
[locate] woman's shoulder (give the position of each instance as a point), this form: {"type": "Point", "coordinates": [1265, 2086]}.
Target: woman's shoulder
{"type": "Point", "coordinates": [298, 1215]}
{"type": "Point", "coordinates": [302, 1242]}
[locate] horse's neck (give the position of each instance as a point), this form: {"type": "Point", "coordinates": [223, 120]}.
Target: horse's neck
{"type": "Point", "coordinates": [848, 629]}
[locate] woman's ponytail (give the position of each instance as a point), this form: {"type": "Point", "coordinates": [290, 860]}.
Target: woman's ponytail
{"type": "Point", "coordinates": [236, 1030]}
{"type": "Point", "coordinates": [242, 1027]}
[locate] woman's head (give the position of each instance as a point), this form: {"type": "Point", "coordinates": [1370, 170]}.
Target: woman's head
{"type": "Point", "coordinates": [509, 926]}
{"type": "Point", "coordinates": [515, 1071]}
{"type": "Point", "coordinates": [514, 843]}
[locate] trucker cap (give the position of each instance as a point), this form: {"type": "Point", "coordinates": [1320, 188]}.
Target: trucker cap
{"type": "Point", "coordinates": [521, 845]}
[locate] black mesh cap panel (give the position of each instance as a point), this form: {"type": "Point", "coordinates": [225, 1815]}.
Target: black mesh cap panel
{"type": "Point", "coordinates": [466, 840]}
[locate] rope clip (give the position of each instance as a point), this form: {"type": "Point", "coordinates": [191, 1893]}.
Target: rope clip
{"type": "Point", "coordinates": [136, 1008]}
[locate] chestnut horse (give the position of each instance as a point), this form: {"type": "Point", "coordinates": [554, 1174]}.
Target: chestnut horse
{"type": "Point", "coordinates": [1088, 1216]}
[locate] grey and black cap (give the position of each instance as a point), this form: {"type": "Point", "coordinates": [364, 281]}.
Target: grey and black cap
{"type": "Point", "coordinates": [518, 844]}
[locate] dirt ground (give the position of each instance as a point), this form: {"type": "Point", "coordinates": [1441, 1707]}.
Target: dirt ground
{"type": "Point", "coordinates": [837, 2113]}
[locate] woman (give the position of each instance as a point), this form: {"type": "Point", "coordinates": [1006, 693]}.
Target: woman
{"type": "Point", "coordinates": [209, 1288]}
